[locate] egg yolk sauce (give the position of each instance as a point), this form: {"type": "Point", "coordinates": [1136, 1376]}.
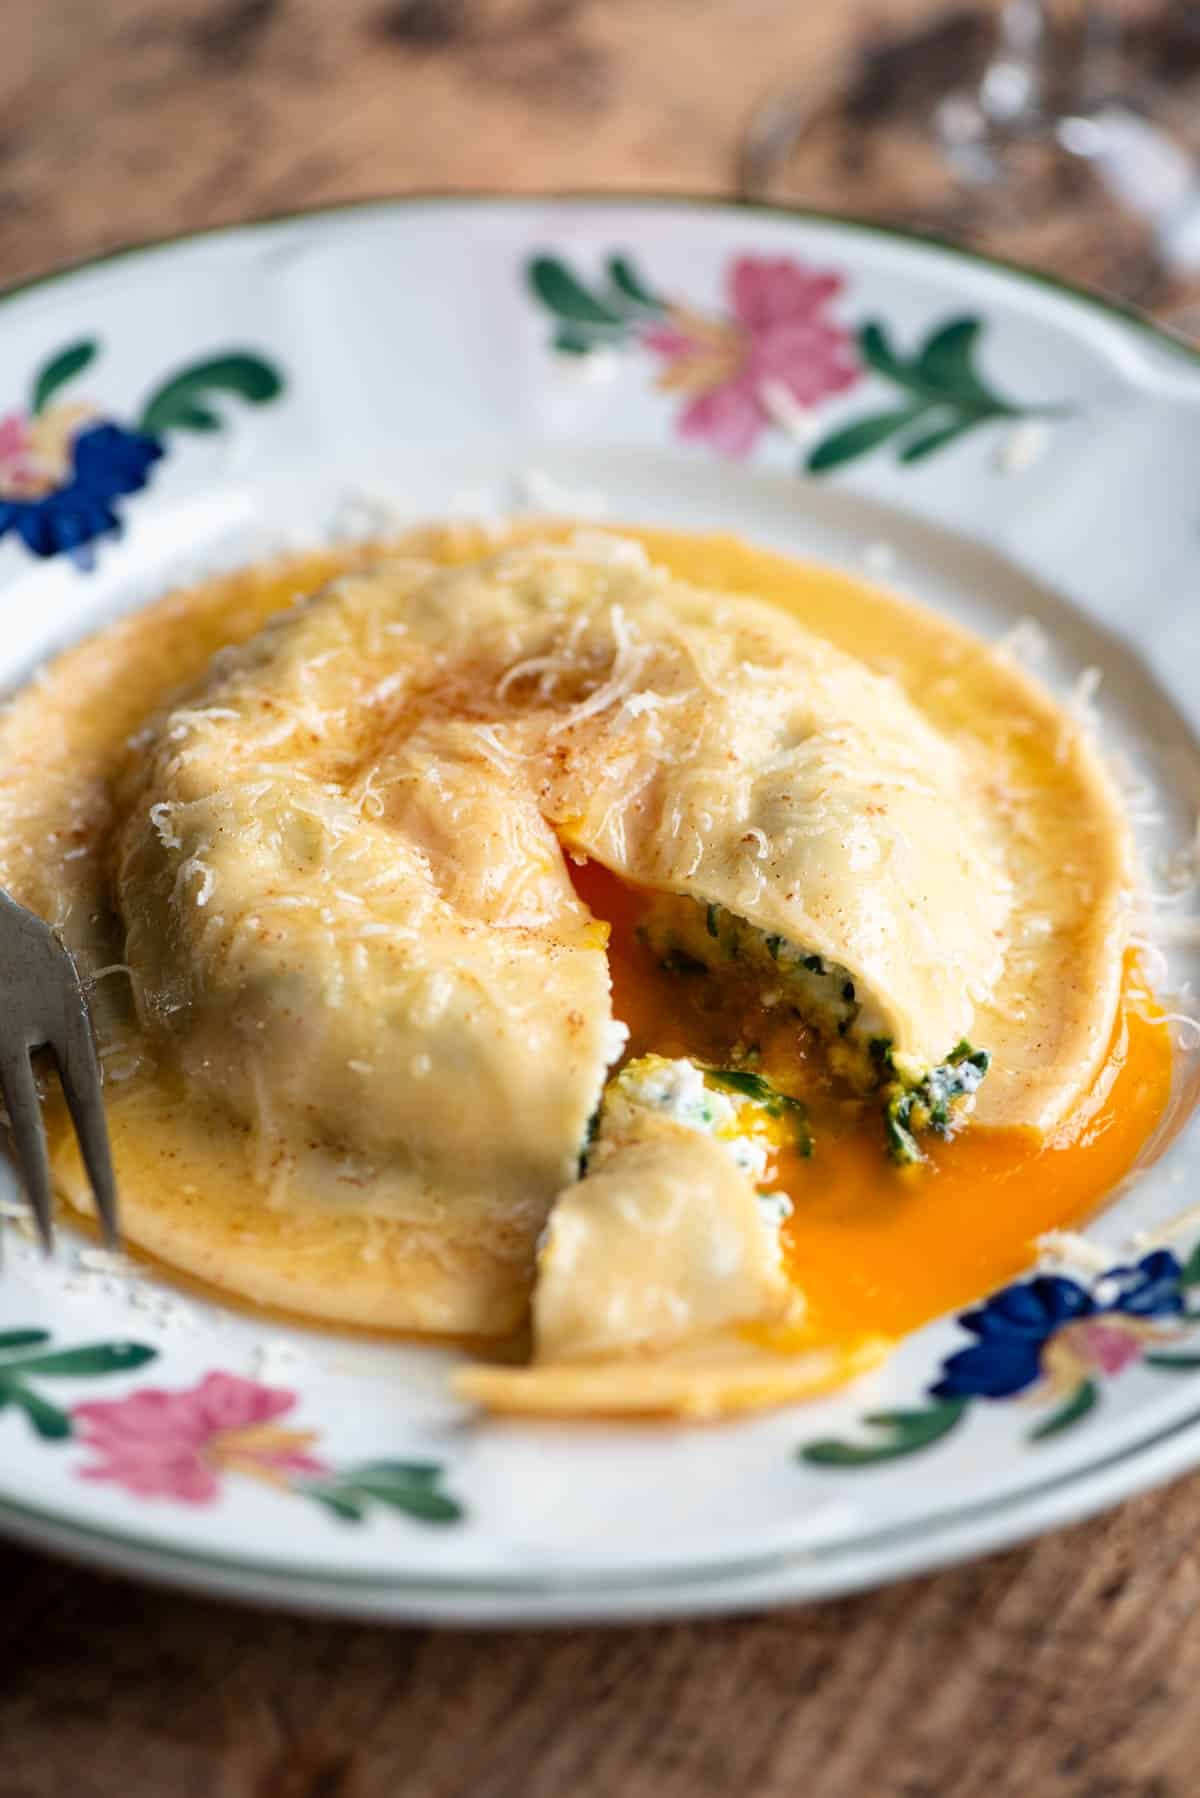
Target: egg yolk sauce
{"type": "Point", "coordinates": [878, 1249]}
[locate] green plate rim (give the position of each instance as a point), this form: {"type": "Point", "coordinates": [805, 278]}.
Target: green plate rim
{"type": "Point", "coordinates": [484, 197]}
{"type": "Point", "coordinates": [168, 1557]}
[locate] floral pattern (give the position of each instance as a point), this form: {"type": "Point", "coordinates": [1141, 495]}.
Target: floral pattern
{"type": "Point", "coordinates": [183, 1445]}
{"type": "Point", "coordinates": [1050, 1338]}
{"type": "Point", "coordinates": [1054, 1330]}
{"type": "Point", "coordinates": [63, 465]}
{"type": "Point", "coordinates": [777, 346]}
{"type": "Point", "coordinates": [777, 355]}
{"type": "Point", "coordinates": [179, 1445]}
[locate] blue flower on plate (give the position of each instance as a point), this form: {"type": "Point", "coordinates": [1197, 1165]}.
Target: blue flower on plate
{"type": "Point", "coordinates": [1054, 1328]}
{"type": "Point", "coordinates": [105, 461]}
{"type": "Point", "coordinates": [63, 466]}
{"type": "Point", "coordinates": [1047, 1333]}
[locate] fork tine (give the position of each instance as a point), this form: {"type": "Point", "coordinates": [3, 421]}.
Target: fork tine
{"type": "Point", "coordinates": [29, 1135]}
{"type": "Point", "coordinates": [79, 1071]}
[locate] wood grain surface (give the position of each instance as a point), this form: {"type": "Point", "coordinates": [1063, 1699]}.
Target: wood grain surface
{"type": "Point", "coordinates": [1068, 1669]}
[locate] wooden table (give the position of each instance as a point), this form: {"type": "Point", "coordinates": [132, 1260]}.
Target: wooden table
{"type": "Point", "coordinates": [1064, 1670]}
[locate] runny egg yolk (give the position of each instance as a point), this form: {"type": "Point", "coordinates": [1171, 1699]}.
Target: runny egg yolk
{"type": "Point", "coordinates": [878, 1250]}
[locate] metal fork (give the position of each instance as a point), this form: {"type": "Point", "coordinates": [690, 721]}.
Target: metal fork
{"type": "Point", "coordinates": [42, 1006]}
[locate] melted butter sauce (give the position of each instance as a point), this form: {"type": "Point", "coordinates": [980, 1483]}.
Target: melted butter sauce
{"type": "Point", "coordinates": [876, 1250]}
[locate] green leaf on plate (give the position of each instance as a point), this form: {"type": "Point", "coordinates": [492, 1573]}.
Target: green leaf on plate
{"type": "Point", "coordinates": [180, 404]}
{"type": "Point", "coordinates": [630, 285]}
{"type": "Point", "coordinates": [59, 370]}
{"type": "Point", "coordinates": [349, 1509]}
{"type": "Point", "coordinates": [411, 1487]}
{"type": "Point", "coordinates": [1082, 1400]}
{"type": "Point", "coordinates": [559, 291]}
{"type": "Point", "coordinates": [16, 1339]}
{"type": "Point", "coordinates": [858, 438]}
{"type": "Point", "coordinates": [1172, 1363]}
{"type": "Point", "coordinates": [1189, 1274]}
{"type": "Point", "coordinates": [51, 1424]}
{"type": "Point", "coordinates": [876, 350]}
{"type": "Point", "coordinates": [927, 443]}
{"type": "Point", "coordinates": [944, 363]}
{"type": "Point", "coordinates": [191, 415]}
{"type": "Point", "coordinates": [419, 1502]}
{"type": "Point", "coordinates": [78, 1363]}
{"type": "Point", "coordinates": [574, 340]}
{"type": "Point", "coordinates": [947, 397]}
{"type": "Point", "coordinates": [905, 1433]}
{"type": "Point", "coordinates": [429, 1472]}
{"type": "Point", "coordinates": [17, 1369]}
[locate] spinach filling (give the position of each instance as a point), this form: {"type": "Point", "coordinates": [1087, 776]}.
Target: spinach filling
{"type": "Point", "coordinates": [928, 1103]}
{"type": "Point", "coordinates": [689, 937]}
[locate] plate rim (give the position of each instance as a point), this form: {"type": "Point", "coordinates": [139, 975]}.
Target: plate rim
{"type": "Point", "coordinates": [614, 1596]}
{"type": "Point", "coordinates": [485, 198]}
{"type": "Point", "coordinates": [716, 1584]}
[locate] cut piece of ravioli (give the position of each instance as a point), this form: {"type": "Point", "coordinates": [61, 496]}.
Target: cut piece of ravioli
{"type": "Point", "coordinates": [664, 1236]}
{"type": "Point", "coordinates": [660, 1282]}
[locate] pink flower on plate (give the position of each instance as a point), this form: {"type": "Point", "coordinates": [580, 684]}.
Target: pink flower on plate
{"type": "Point", "coordinates": [1104, 1344]}
{"type": "Point", "coordinates": [35, 453]}
{"type": "Point", "coordinates": [16, 455]}
{"type": "Point", "coordinates": [177, 1445]}
{"type": "Point", "coordinates": [778, 351]}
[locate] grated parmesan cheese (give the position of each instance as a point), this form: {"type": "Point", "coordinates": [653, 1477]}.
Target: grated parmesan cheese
{"type": "Point", "coordinates": [627, 664]}
{"type": "Point", "coordinates": [547, 667]}
{"type": "Point", "coordinates": [1080, 703]}
{"type": "Point", "coordinates": [1067, 1248]}
{"type": "Point", "coordinates": [275, 1358]}
{"type": "Point", "coordinates": [1026, 643]}
{"type": "Point", "coordinates": [544, 493]}
{"type": "Point", "coordinates": [1022, 446]}
{"type": "Point", "coordinates": [608, 548]}
{"type": "Point", "coordinates": [160, 817]}
{"type": "Point", "coordinates": [102, 1261]}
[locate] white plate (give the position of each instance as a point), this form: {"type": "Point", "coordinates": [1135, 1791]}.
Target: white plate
{"type": "Point", "coordinates": [359, 369]}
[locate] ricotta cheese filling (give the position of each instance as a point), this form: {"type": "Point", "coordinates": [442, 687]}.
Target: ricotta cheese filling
{"type": "Point", "coordinates": [747, 1127]}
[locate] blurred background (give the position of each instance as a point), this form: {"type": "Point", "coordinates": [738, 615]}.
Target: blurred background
{"type": "Point", "coordinates": [1061, 133]}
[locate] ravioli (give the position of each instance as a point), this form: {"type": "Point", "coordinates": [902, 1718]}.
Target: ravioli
{"type": "Point", "coordinates": [658, 1257]}
{"type": "Point", "coordinates": [408, 751]}
{"type": "Point", "coordinates": [334, 869]}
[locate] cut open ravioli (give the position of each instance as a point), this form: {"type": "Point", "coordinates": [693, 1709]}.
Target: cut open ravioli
{"type": "Point", "coordinates": [333, 868]}
{"type": "Point", "coordinates": [660, 1260]}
